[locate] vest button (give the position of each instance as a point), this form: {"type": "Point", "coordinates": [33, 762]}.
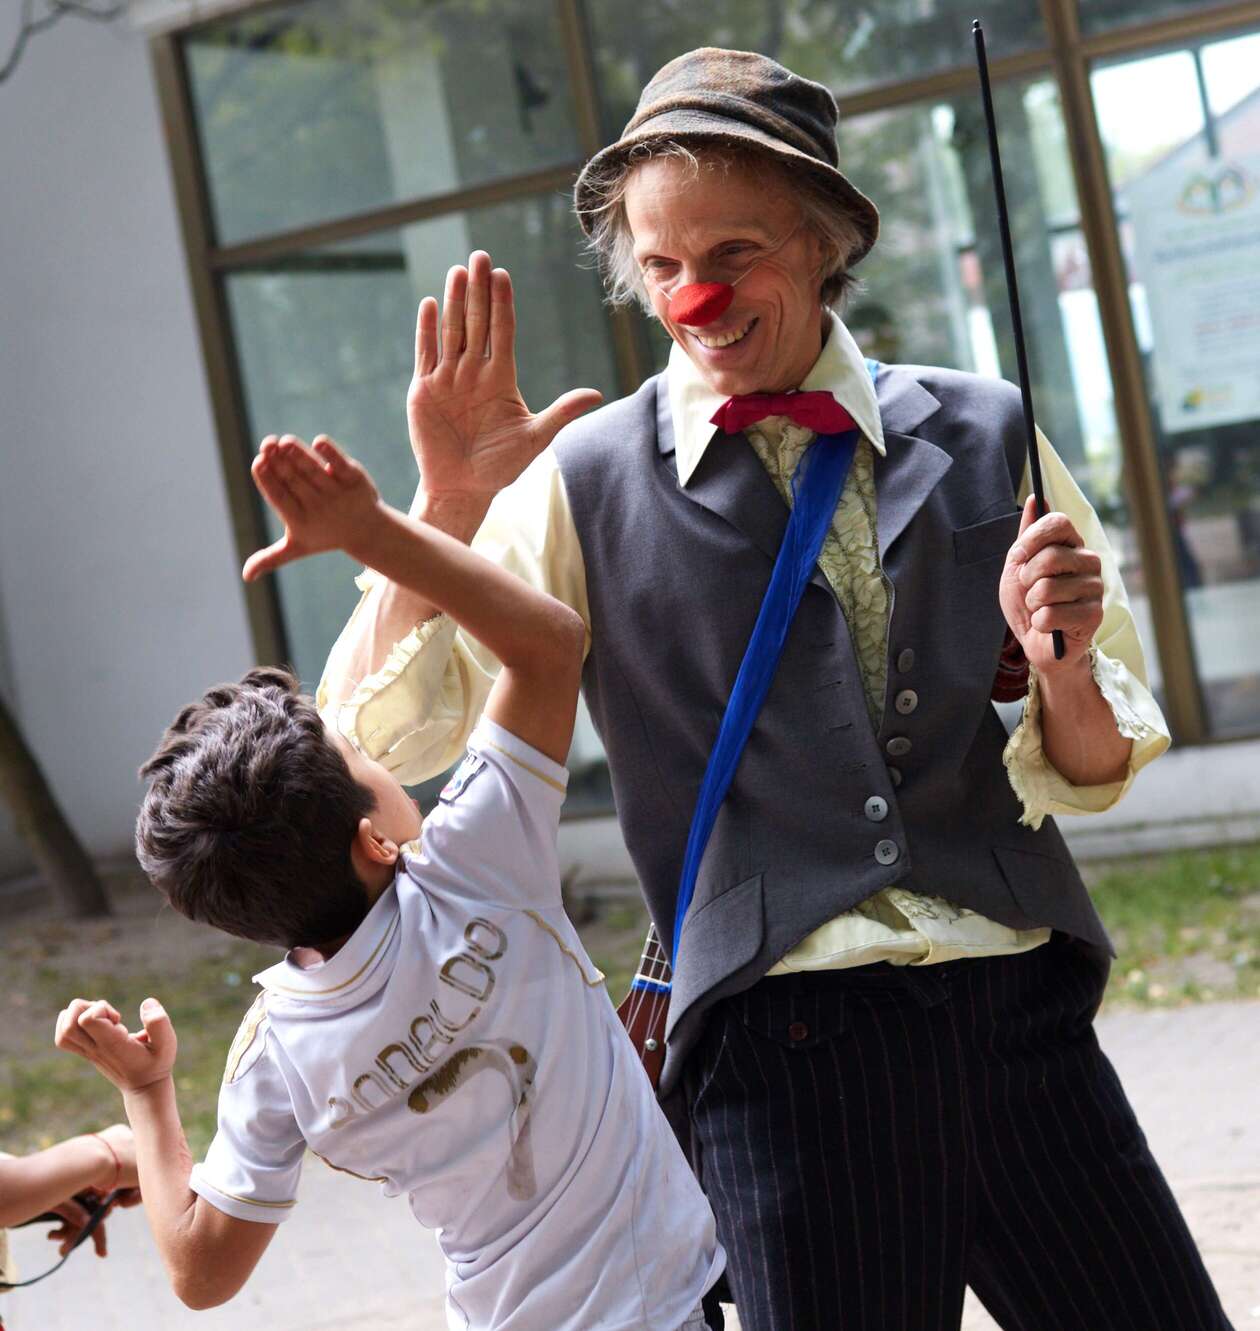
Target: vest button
{"type": "Point", "coordinates": [798, 1031]}
{"type": "Point", "coordinates": [887, 852]}
{"type": "Point", "coordinates": [898, 746]}
{"type": "Point", "coordinates": [907, 700]}
{"type": "Point", "coordinates": [894, 775]}
{"type": "Point", "coordinates": [905, 660]}
{"type": "Point", "coordinates": [876, 809]}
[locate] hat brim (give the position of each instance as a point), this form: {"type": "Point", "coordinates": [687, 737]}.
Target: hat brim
{"type": "Point", "coordinates": [694, 126]}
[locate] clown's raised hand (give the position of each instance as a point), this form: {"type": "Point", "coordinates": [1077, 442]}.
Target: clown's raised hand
{"type": "Point", "coordinates": [325, 499]}
{"type": "Point", "coordinates": [471, 432]}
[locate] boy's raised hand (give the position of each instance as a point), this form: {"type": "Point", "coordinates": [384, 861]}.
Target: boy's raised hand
{"type": "Point", "coordinates": [95, 1031]}
{"type": "Point", "coordinates": [325, 499]}
{"type": "Point", "coordinates": [471, 431]}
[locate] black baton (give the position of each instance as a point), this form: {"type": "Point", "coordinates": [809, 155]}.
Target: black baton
{"type": "Point", "coordinates": [1012, 290]}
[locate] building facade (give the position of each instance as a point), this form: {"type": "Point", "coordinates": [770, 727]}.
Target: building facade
{"type": "Point", "coordinates": [326, 161]}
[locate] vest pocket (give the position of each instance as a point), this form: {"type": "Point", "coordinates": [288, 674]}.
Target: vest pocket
{"type": "Point", "coordinates": [719, 938]}
{"type": "Point", "coordinates": [985, 540]}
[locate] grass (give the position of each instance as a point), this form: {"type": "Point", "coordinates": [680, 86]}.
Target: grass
{"type": "Point", "coordinates": [1187, 928]}
{"type": "Point", "coordinates": [1186, 925]}
{"type": "Point", "coordinates": [46, 1095]}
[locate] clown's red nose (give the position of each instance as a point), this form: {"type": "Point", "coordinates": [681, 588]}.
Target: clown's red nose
{"type": "Point", "coordinates": [699, 303]}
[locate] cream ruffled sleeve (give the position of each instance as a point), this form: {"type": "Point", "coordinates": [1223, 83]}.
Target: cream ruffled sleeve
{"type": "Point", "coordinates": [416, 712]}
{"type": "Point", "coordinates": [1119, 669]}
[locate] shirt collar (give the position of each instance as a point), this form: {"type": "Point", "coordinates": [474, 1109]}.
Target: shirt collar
{"type": "Point", "coordinates": [840, 370]}
{"type": "Point", "coordinates": [354, 972]}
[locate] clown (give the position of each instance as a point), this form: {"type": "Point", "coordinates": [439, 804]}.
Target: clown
{"type": "Point", "coordinates": [879, 1035]}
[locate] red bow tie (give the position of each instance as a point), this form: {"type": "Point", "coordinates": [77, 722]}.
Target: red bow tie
{"type": "Point", "coordinates": [819, 412]}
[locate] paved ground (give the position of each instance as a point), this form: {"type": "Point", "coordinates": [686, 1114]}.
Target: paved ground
{"type": "Point", "coordinates": [350, 1261]}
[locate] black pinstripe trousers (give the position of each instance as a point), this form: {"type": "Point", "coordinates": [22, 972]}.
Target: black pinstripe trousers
{"type": "Point", "coordinates": [874, 1140]}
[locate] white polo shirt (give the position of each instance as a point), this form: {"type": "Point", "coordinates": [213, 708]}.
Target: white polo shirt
{"type": "Point", "coordinates": [461, 1049]}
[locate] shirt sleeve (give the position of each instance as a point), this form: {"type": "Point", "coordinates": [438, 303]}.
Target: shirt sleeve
{"type": "Point", "coordinates": [492, 836]}
{"type": "Point", "coordinates": [1119, 669]}
{"type": "Point", "coordinates": [252, 1167]}
{"type": "Point", "coordinates": [415, 714]}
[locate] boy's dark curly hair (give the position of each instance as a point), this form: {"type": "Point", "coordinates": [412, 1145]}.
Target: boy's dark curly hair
{"type": "Point", "coordinates": [250, 815]}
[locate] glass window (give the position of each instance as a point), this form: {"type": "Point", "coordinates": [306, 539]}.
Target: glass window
{"type": "Point", "coordinates": [847, 47]}
{"type": "Point", "coordinates": [934, 290]}
{"type": "Point", "coordinates": [1099, 15]}
{"type": "Point", "coordinates": [1146, 110]}
{"type": "Point", "coordinates": [313, 111]}
{"type": "Point", "coordinates": [325, 341]}
{"type": "Point", "coordinates": [1182, 133]}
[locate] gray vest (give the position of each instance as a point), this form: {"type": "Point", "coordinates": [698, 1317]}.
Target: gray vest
{"type": "Point", "coordinates": [823, 810]}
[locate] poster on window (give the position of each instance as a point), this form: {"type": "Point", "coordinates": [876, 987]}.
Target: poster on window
{"type": "Point", "coordinates": [1197, 254]}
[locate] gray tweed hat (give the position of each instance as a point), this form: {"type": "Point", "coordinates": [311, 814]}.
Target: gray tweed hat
{"type": "Point", "coordinates": [736, 97]}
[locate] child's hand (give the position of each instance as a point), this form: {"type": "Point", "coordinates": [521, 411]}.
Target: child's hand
{"type": "Point", "coordinates": [74, 1219]}
{"type": "Point", "coordinates": [95, 1031]}
{"type": "Point", "coordinates": [325, 500]}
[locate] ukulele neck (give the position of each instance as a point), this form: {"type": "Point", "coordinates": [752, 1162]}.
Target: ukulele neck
{"type": "Point", "coordinates": [654, 973]}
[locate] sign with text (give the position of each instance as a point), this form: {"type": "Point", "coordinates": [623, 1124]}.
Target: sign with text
{"type": "Point", "coordinates": [1197, 232]}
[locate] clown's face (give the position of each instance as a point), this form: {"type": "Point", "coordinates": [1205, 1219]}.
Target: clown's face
{"type": "Point", "coordinates": [731, 225]}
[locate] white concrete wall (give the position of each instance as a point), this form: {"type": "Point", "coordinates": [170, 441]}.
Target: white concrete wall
{"type": "Point", "coordinates": [118, 579]}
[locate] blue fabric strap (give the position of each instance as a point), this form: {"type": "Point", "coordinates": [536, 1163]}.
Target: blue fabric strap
{"type": "Point", "coordinates": [817, 485]}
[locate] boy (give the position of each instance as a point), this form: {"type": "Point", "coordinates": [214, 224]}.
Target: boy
{"type": "Point", "coordinates": [561, 1199]}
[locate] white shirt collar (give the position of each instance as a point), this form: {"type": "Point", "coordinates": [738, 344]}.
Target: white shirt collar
{"type": "Point", "coordinates": [840, 370]}
{"type": "Point", "coordinates": [355, 971]}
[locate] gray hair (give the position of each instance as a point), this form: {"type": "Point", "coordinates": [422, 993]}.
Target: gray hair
{"type": "Point", "coordinates": [612, 245]}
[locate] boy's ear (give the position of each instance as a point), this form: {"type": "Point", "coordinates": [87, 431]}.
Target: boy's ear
{"type": "Point", "coordinates": [372, 846]}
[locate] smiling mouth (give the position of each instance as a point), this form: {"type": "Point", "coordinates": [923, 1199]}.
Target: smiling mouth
{"type": "Point", "coordinates": [719, 340]}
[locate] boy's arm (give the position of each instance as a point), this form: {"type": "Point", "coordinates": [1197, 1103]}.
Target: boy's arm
{"type": "Point", "coordinates": [208, 1255]}
{"type": "Point", "coordinates": [387, 612]}
{"type": "Point", "coordinates": [327, 500]}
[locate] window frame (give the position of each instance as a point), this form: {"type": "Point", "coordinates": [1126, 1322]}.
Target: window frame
{"type": "Point", "coordinates": [1068, 57]}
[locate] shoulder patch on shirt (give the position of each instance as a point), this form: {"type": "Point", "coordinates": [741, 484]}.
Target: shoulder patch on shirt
{"type": "Point", "coordinates": [247, 1039]}
{"type": "Point", "coordinates": [463, 776]}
